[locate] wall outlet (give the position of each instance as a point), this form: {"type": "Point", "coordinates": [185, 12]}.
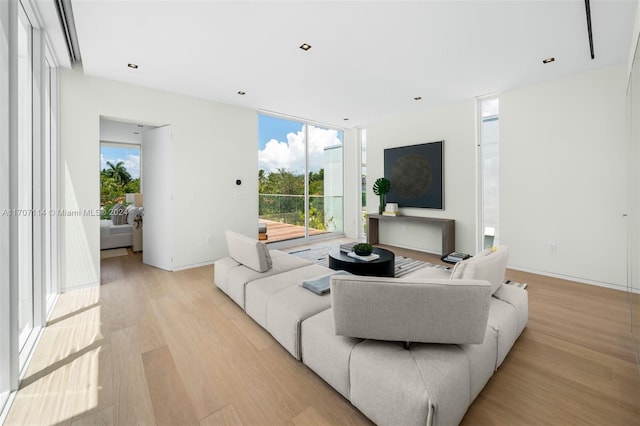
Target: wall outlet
{"type": "Point", "coordinates": [553, 247]}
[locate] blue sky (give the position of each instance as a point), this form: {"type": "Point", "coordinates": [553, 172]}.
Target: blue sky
{"type": "Point", "coordinates": [128, 155]}
{"type": "Point", "coordinates": [275, 128]}
{"type": "Point", "coordinates": [282, 144]}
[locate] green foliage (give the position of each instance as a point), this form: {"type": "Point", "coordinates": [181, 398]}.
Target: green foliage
{"type": "Point", "coordinates": [363, 248]}
{"type": "Point", "coordinates": [381, 186]}
{"type": "Point", "coordinates": [281, 197]}
{"type": "Point", "coordinates": [113, 187]}
{"type": "Point", "coordinates": [118, 171]}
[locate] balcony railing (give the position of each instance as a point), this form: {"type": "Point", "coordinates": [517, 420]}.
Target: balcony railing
{"type": "Point", "coordinates": [325, 212]}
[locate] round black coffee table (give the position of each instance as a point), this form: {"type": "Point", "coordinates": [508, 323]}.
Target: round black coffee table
{"type": "Point", "coordinates": [384, 266]}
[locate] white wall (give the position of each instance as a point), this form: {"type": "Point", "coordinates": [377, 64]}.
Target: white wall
{"type": "Point", "coordinates": [213, 145]}
{"type": "Point", "coordinates": [455, 124]}
{"type": "Point", "coordinates": [562, 166]}
{"type": "Point", "coordinates": [117, 131]}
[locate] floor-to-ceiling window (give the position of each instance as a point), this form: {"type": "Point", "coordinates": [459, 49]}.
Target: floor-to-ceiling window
{"type": "Point", "coordinates": [25, 182]}
{"type": "Point", "coordinates": [300, 178]}
{"type": "Point", "coordinates": [489, 177]}
{"type": "Point", "coordinates": [28, 189]}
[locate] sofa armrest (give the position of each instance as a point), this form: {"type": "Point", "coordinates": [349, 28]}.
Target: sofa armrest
{"type": "Point", "coordinates": [411, 310]}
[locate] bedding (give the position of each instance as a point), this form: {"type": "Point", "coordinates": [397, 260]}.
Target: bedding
{"type": "Point", "coordinates": [119, 235]}
{"type": "Point", "coordinates": [114, 236]}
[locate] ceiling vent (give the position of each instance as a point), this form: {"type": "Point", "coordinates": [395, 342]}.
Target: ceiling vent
{"type": "Point", "coordinates": [65, 14]}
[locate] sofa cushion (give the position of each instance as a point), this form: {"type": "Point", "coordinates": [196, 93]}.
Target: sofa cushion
{"type": "Point", "coordinates": [426, 385]}
{"type": "Point", "coordinates": [221, 270]}
{"type": "Point", "coordinates": [429, 272]}
{"type": "Point", "coordinates": [238, 277]}
{"type": "Point", "coordinates": [251, 253]}
{"type": "Point", "coordinates": [487, 265]}
{"type": "Point", "coordinates": [519, 299]}
{"type": "Point", "coordinates": [325, 353]}
{"type": "Point", "coordinates": [287, 310]}
{"type": "Point", "coordinates": [410, 310]}
{"type": "Point", "coordinates": [258, 292]}
{"type": "Point", "coordinates": [503, 318]}
{"type": "Point", "coordinates": [482, 361]}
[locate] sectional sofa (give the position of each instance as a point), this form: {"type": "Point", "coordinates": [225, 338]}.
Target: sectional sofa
{"type": "Point", "coordinates": [413, 351]}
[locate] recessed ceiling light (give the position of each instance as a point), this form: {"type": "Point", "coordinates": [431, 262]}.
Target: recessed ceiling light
{"type": "Point", "coordinates": [548, 60]}
{"type": "Point", "coordinates": [417, 98]}
{"type": "Point", "coordinates": [241, 93]}
{"type": "Point", "coordinates": [305, 46]}
{"type": "Point", "coordinates": [134, 66]}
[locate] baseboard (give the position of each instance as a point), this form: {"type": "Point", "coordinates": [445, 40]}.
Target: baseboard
{"type": "Point", "coordinates": [194, 265]}
{"type": "Point", "coordinates": [575, 279]}
{"type": "Point", "coordinates": [79, 287]}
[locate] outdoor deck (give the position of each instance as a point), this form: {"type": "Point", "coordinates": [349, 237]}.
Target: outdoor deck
{"type": "Point", "coordinates": [277, 231]}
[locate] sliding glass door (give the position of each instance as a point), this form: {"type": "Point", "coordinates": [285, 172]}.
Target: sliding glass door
{"type": "Point", "coordinates": [300, 179]}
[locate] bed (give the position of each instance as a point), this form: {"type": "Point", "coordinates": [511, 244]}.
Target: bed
{"type": "Point", "coordinates": [119, 234]}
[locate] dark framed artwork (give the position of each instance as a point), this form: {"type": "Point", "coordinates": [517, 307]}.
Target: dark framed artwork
{"type": "Point", "coordinates": [416, 175]}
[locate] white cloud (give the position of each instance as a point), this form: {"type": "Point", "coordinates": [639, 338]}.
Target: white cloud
{"type": "Point", "coordinates": [290, 154]}
{"type": "Point", "coordinates": [131, 163]}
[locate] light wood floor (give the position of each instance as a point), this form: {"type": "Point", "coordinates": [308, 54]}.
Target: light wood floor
{"type": "Point", "coordinates": [152, 347]}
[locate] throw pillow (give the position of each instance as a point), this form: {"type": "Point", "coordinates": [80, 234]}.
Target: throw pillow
{"type": "Point", "coordinates": [119, 214]}
{"type": "Point", "coordinates": [132, 212]}
{"type": "Point", "coordinates": [248, 251]}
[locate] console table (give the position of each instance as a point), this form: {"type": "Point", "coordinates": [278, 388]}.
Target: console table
{"type": "Point", "coordinates": [447, 225]}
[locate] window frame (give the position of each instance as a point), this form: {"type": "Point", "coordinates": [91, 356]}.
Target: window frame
{"type": "Point", "coordinates": [480, 150]}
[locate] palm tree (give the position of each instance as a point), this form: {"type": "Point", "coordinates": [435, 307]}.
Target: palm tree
{"type": "Point", "coordinates": [262, 180]}
{"type": "Point", "coordinates": [118, 172]}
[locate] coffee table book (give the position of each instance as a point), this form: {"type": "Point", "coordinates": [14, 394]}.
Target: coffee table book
{"type": "Point", "coordinates": [369, 258]}
{"type": "Point", "coordinates": [347, 247]}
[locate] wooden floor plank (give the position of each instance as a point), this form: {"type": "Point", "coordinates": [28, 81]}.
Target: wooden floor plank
{"type": "Point", "coordinates": [226, 416]}
{"type": "Point", "coordinates": [132, 400]}
{"type": "Point", "coordinates": [102, 417]}
{"type": "Point", "coordinates": [123, 352]}
{"type": "Point", "coordinates": [170, 400]}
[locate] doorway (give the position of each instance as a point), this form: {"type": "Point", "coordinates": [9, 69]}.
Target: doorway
{"type": "Point", "coordinates": [121, 205]}
{"type": "Point", "coordinates": [135, 195]}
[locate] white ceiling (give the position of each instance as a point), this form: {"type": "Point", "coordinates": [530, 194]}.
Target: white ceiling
{"type": "Point", "coordinates": [368, 60]}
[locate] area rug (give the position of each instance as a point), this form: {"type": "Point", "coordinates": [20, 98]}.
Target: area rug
{"type": "Point", "coordinates": [106, 254]}
{"type": "Point", "coordinates": [404, 265]}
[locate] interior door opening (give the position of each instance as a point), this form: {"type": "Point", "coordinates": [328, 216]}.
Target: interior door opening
{"type": "Point", "coordinates": [126, 177]}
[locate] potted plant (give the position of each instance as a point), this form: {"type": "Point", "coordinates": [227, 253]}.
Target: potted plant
{"type": "Point", "coordinates": [363, 249]}
{"type": "Point", "coordinates": [381, 187]}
